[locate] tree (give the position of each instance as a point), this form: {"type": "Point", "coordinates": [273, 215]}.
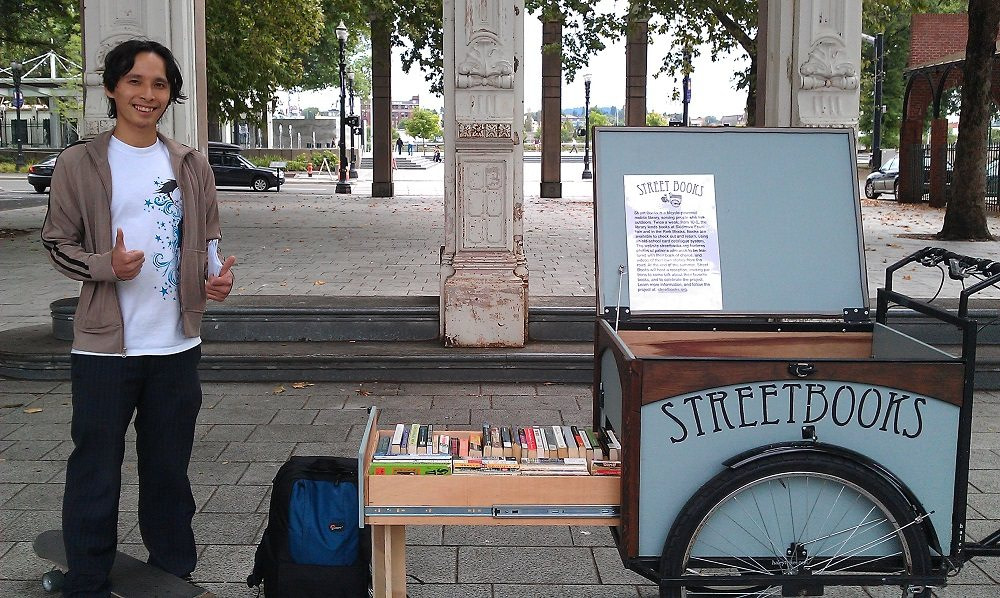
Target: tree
{"type": "Point", "coordinates": [567, 131]}
{"type": "Point", "coordinates": [965, 217]}
{"type": "Point", "coordinates": [422, 124]}
{"type": "Point", "coordinates": [253, 49]}
{"type": "Point", "coordinates": [41, 25]}
{"type": "Point", "coordinates": [655, 119]}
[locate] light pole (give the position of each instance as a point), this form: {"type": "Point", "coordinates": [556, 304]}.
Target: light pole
{"type": "Point", "coordinates": [878, 41]}
{"type": "Point", "coordinates": [687, 84]}
{"type": "Point", "coordinates": [354, 155]}
{"type": "Point", "coordinates": [343, 186]}
{"type": "Point", "coordinates": [15, 69]}
{"type": "Point", "coordinates": [586, 126]}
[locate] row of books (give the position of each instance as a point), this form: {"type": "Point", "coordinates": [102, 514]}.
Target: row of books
{"type": "Point", "coordinates": [529, 466]}
{"type": "Point", "coordinates": [530, 442]}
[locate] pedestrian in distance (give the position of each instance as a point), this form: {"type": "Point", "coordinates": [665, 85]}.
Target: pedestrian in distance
{"type": "Point", "coordinates": [409, 148]}
{"type": "Point", "coordinates": [133, 216]}
{"type": "Point", "coordinates": [572, 147]}
{"type": "Point", "coordinates": [399, 146]}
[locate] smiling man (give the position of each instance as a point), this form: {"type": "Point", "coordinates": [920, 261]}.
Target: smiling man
{"type": "Point", "coordinates": [132, 215]}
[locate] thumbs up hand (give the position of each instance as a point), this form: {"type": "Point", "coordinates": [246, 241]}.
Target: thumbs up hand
{"type": "Point", "coordinates": [126, 264]}
{"type": "Point", "coordinates": [218, 287]}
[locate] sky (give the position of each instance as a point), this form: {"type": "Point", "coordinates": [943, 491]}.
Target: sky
{"type": "Point", "coordinates": [713, 91]}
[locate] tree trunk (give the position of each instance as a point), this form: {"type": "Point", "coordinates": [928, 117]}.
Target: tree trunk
{"type": "Point", "coordinates": [752, 92]}
{"type": "Point", "coordinates": [965, 217]}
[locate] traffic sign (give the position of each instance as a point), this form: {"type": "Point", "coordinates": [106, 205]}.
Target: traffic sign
{"type": "Point", "coordinates": [18, 99]}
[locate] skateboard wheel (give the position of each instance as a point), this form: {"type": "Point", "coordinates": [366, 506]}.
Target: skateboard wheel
{"type": "Point", "coordinates": [52, 581]}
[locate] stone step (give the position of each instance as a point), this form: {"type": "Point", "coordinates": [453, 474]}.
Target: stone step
{"type": "Point", "coordinates": [271, 318]}
{"type": "Point", "coordinates": [39, 356]}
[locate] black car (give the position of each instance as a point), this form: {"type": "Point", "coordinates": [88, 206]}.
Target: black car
{"type": "Point", "coordinates": [233, 170]}
{"type": "Point", "coordinates": [40, 175]}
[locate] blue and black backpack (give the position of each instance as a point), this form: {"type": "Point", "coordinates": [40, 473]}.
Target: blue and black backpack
{"type": "Point", "coordinates": [312, 545]}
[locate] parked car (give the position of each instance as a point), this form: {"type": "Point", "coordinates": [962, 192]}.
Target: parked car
{"type": "Point", "coordinates": [886, 178]}
{"type": "Point", "coordinates": [40, 174]}
{"type": "Point", "coordinates": [233, 170]}
{"type": "Point", "coordinates": [883, 180]}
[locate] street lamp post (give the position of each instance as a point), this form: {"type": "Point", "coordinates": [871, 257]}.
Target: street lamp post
{"type": "Point", "coordinates": [878, 41]}
{"type": "Point", "coordinates": [354, 154]}
{"type": "Point", "coordinates": [343, 186]}
{"type": "Point", "coordinates": [15, 69]}
{"type": "Point", "coordinates": [586, 120]}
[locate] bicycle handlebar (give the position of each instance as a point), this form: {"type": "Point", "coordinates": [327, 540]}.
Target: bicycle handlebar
{"type": "Point", "coordinates": [959, 266]}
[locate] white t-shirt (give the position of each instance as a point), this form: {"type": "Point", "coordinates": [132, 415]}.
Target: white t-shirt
{"type": "Point", "coordinates": [146, 205]}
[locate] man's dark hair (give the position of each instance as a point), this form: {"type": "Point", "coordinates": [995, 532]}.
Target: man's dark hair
{"type": "Point", "coordinates": [121, 59]}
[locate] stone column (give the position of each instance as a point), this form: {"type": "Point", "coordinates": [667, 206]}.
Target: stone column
{"type": "Point", "coordinates": [382, 185]}
{"type": "Point", "coordinates": [810, 70]}
{"type": "Point", "coordinates": [178, 25]}
{"type": "Point", "coordinates": [484, 274]}
{"type": "Point", "coordinates": [635, 71]}
{"type": "Point", "coordinates": [551, 111]}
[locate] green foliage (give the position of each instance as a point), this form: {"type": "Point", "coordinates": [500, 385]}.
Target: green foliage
{"type": "Point", "coordinates": [422, 124]}
{"type": "Point", "coordinates": [7, 167]}
{"type": "Point", "coordinates": [567, 131]}
{"type": "Point", "coordinates": [254, 48]}
{"type": "Point", "coordinates": [310, 112]}
{"type": "Point", "coordinates": [33, 27]}
{"type": "Point", "coordinates": [598, 119]}
{"type": "Point", "coordinates": [655, 119]}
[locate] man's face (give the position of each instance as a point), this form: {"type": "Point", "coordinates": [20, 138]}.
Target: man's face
{"type": "Point", "coordinates": [142, 94]}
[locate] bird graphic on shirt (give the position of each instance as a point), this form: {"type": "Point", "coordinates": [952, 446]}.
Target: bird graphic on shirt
{"type": "Point", "coordinates": [167, 187]}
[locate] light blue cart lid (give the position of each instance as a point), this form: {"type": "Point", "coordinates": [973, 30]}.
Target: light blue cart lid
{"type": "Point", "coordinates": [788, 216]}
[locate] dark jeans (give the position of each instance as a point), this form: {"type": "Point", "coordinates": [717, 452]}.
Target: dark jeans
{"type": "Point", "coordinates": [164, 393]}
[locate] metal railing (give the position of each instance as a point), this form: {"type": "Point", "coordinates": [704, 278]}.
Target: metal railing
{"type": "Point", "coordinates": [920, 168]}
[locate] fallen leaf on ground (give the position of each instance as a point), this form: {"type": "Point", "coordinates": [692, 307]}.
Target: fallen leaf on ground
{"type": "Point", "coordinates": [319, 283]}
{"type": "Point", "coordinates": [279, 389]}
{"type": "Point", "coordinates": [363, 392]}
{"type": "Point", "coordinates": [302, 384]}
{"type": "Point", "coordinates": [33, 410]}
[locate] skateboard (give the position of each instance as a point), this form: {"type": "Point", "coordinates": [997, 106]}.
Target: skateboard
{"type": "Point", "coordinates": [130, 577]}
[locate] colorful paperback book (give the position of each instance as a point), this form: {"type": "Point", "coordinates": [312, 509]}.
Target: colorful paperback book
{"type": "Point", "coordinates": [383, 445]}
{"type": "Point", "coordinates": [540, 442]}
{"type": "Point", "coordinates": [571, 449]}
{"type": "Point", "coordinates": [605, 467]}
{"type": "Point", "coordinates": [411, 446]}
{"type": "Point", "coordinates": [397, 438]}
{"type": "Point", "coordinates": [409, 468]}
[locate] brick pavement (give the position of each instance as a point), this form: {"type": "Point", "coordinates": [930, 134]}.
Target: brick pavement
{"type": "Point", "coordinates": [386, 246]}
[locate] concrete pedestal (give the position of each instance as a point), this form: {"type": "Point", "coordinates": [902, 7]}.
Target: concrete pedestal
{"type": "Point", "coordinates": [484, 275]}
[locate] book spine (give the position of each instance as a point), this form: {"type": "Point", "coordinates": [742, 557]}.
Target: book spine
{"type": "Point", "coordinates": [463, 447]}
{"type": "Point", "coordinates": [397, 438]}
{"type": "Point", "coordinates": [411, 445]}
{"type": "Point", "coordinates": [540, 442]}
{"type": "Point", "coordinates": [487, 448]}
{"type": "Point", "coordinates": [409, 468]}
{"type": "Point", "coordinates": [383, 445]}
{"type": "Point", "coordinates": [571, 449]}
{"type": "Point", "coordinates": [598, 453]}
{"type": "Point", "coordinates": [529, 439]}
{"type": "Point", "coordinates": [431, 448]}
{"type": "Point", "coordinates": [496, 445]}
{"type": "Point", "coordinates": [615, 446]}
{"type": "Point", "coordinates": [453, 446]}
{"type": "Point", "coordinates": [561, 448]}
{"type": "Point", "coordinates": [475, 445]}
{"type": "Point", "coordinates": [422, 440]}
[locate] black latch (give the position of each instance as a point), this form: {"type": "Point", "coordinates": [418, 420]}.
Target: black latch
{"type": "Point", "coordinates": [854, 315]}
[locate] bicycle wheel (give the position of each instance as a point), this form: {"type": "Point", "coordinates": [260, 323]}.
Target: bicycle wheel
{"type": "Point", "coordinates": [795, 514]}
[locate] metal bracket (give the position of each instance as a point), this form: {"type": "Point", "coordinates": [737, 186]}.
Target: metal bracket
{"type": "Point", "coordinates": [616, 314]}
{"type": "Point", "coordinates": [502, 511]}
{"type": "Point", "coordinates": [855, 315]}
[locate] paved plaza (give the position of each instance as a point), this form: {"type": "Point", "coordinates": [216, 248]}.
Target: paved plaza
{"type": "Point", "coordinates": [305, 240]}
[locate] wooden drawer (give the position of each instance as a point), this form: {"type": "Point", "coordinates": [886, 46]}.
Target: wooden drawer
{"type": "Point", "coordinates": [471, 499]}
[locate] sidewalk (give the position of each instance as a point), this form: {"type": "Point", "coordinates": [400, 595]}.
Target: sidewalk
{"type": "Point", "coordinates": [358, 245]}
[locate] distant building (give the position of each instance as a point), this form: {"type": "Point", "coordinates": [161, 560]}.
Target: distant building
{"type": "Point", "coordinates": [403, 109]}
{"type": "Point", "coordinates": [734, 120]}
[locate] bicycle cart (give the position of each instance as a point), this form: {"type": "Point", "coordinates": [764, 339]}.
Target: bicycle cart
{"type": "Point", "coordinates": [777, 438]}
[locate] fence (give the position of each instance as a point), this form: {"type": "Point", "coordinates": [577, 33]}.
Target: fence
{"type": "Point", "coordinates": [920, 170]}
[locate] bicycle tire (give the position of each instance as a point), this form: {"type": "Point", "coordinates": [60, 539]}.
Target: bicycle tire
{"type": "Point", "coordinates": [888, 539]}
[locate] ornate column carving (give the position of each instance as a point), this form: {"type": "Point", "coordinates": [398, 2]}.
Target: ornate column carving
{"type": "Point", "coordinates": [178, 25]}
{"type": "Point", "coordinates": [484, 274]}
{"type": "Point", "coordinates": [810, 76]}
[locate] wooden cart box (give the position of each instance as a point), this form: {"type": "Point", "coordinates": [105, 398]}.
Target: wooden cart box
{"type": "Point", "coordinates": [733, 323]}
{"type": "Point", "coordinates": [481, 499]}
